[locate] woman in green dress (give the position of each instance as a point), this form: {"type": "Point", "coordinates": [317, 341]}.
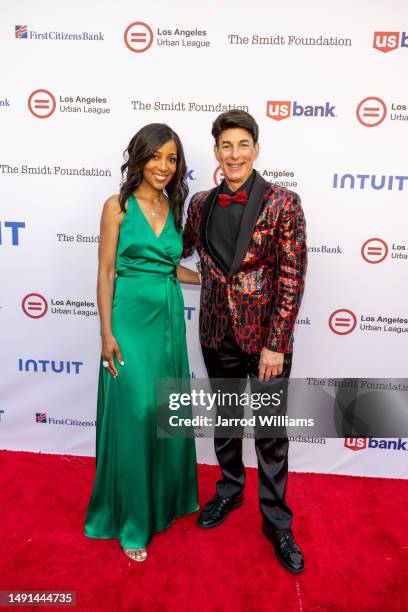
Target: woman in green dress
{"type": "Point", "coordinates": [142, 481]}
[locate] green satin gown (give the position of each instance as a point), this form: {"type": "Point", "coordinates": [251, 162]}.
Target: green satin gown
{"type": "Point", "coordinates": [142, 481]}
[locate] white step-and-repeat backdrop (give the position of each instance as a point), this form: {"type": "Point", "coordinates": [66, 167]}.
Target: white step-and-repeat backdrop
{"type": "Point", "coordinates": [327, 85]}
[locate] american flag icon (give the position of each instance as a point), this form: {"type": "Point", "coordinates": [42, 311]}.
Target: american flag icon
{"type": "Point", "coordinates": [21, 31]}
{"type": "Point", "coordinates": [40, 417]}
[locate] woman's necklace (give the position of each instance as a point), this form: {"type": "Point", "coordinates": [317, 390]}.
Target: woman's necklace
{"type": "Point", "coordinates": [155, 210]}
{"type": "Point", "coordinates": [154, 207]}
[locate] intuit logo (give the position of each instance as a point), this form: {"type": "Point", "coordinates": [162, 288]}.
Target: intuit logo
{"type": "Point", "coordinates": [356, 444]}
{"type": "Point", "coordinates": [279, 110]}
{"type": "Point", "coordinates": [11, 230]}
{"type": "Point", "coordinates": [47, 365]}
{"type": "Point", "coordinates": [369, 181]}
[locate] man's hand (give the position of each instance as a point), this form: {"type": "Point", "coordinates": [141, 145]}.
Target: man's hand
{"type": "Point", "coordinates": [270, 364]}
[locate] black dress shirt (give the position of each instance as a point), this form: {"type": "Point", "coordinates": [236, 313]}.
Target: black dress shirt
{"type": "Point", "coordinates": [224, 225]}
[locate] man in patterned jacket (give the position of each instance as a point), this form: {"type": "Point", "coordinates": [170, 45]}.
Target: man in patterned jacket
{"type": "Point", "coordinates": [250, 237]}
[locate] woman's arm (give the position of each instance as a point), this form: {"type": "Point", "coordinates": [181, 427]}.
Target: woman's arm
{"type": "Point", "coordinates": [185, 275]}
{"type": "Point", "coordinates": [108, 242]}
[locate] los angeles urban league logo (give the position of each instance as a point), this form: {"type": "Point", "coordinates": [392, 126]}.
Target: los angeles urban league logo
{"type": "Point", "coordinates": [342, 321]}
{"type": "Point", "coordinates": [138, 37]}
{"type": "Point", "coordinates": [374, 250]}
{"type": "Point", "coordinates": [371, 111]}
{"type": "Point", "coordinates": [41, 103]}
{"type": "Point", "coordinates": [34, 305]}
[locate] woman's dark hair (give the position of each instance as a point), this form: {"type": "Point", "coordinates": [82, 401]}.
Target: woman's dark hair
{"type": "Point", "coordinates": [235, 119]}
{"type": "Point", "coordinates": [141, 148]}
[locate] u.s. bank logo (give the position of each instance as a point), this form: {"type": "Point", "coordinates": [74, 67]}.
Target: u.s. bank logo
{"type": "Point", "coordinates": [389, 41]}
{"type": "Point", "coordinates": [358, 444]}
{"type": "Point", "coordinates": [189, 175]}
{"type": "Point", "coordinates": [138, 37]}
{"type": "Point", "coordinates": [283, 109]}
{"type": "Point", "coordinates": [21, 31]}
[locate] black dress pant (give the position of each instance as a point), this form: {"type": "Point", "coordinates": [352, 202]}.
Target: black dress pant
{"type": "Point", "coordinates": [230, 362]}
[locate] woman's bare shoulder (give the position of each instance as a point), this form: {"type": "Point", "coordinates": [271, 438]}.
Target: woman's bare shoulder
{"type": "Point", "coordinates": [112, 203]}
{"type": "Point", "coordinates": [112, 212]}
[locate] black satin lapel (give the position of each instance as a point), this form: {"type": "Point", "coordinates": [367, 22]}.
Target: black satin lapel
{"type": "Point", "coordinates": [207, 208]}
{"type": "Point", "coordinates": [205, 218]}
{"type": "Point", "coordinates": [248, 221]}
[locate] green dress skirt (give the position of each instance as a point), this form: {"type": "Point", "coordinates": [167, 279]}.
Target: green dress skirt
{"type": "Point", "coordinates": [142, 481]}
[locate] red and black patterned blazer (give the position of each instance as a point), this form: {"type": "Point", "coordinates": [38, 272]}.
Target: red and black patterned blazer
{"type": "Point", "coordinates": [263, 289]}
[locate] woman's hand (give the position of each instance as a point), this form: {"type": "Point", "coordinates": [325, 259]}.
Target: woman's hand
{"type": "Point", "coordinates": [110, 347]}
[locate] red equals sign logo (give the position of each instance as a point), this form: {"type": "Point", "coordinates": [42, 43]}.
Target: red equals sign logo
{"type": "Point", "coordinates": [342, 321]}
{"type": "Point", "coordinates": [371, 111]}
{"type": "Point", "coordinates": [40, 417]}
{"type": "Point", "coordinates": [41, 103]}
{"type": "Point", "coordinates": [34, 305]}
{"type": "Point", "coordinates": [374, 250]}
{"type": "Point", "coordinates": [138, 37]}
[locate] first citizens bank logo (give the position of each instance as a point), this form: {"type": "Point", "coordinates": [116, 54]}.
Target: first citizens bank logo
{"type": "Point", "coordinates": [41, 417]}
{"type": "Point", "coordinates": [22, 31]}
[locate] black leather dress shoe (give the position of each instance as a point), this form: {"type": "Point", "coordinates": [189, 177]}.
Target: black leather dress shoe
{"type": "Point", "coordinates": [287, 551]}
{"type": "Point", "coordinates": [216, 511]}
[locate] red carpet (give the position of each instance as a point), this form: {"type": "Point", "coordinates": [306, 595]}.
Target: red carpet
{"type": "Point", "coordinates": [353, 532]}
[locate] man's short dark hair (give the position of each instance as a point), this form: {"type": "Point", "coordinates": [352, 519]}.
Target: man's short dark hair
{"type": "Point", "coordinates": [235, 119]}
